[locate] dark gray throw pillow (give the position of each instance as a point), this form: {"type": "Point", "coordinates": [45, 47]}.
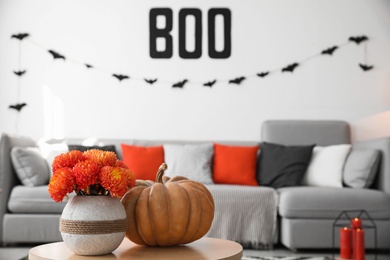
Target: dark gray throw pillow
{"type": "Point", "coordinates": [83, 148]}
{"type": "Point", "coordinates": [282, 166]}
{"type": "Point", "coordinates": [361, 168]}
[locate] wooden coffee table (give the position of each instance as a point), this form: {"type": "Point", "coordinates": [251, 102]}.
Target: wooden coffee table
{"type": "Point", "coordinates": [205, 248]}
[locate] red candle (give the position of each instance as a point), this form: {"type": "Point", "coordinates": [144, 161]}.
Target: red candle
{"type": "Point", "coordinates": [358, 250]}
{"type": "Point", "coordinates": [345, 243]}
{"type": "Point", "coordinates": [356, 223]}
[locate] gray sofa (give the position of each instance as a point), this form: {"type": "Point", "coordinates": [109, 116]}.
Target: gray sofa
{"type": "Point", "coordinates": [305, 214]}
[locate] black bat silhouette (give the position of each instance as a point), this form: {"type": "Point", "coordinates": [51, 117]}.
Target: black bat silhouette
{"type": "Point", "coordinates": [365, 67]}
{"type": "Point", "coordinates": [210, 83]}
{"type": "Point", "coordinates": [88, 65]}
{"type": "Point", "coordinates": [237, 80]}
{"type": "Point", "coordinates": [150, 81]}
{"type": "Point", "coordinates": [56, 55]}
{"type": "Point", "coordinates": [290, 68]}
{"type": "Point", "coordinates": [20, 36]}
{"type": "Point", "coordinates": [18, 106]}
{"type": "Point", "coordinates": [120, 77]}
{"type": "Point", "coordinates": [329, 51]}
{"type": "Point", "coordinates": [179, 84]}
{"type": "Point", "coordinates": [263, 74]}
{"type": "Point", "coordinates": [20, 72]}
{"type": "Point", "coordinates": [358, 39]}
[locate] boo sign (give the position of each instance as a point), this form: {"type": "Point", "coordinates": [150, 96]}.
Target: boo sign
{"type": "Point", "coordinates": [163, 34]}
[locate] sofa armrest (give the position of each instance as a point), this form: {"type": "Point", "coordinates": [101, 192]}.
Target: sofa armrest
{"type": "Point", "coordinates": [8, 178]}
{"type": "Point", "coordinates": [382, 181]}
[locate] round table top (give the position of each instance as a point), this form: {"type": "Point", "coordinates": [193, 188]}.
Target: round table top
{"type": "Point", "coordinates": [204, 248]}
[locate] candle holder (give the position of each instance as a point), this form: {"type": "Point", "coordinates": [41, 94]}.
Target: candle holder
{"type": "Point", "coordinates": [342, 219]}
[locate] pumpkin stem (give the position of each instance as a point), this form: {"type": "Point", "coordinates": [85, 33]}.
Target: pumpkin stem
{"type": "Point", "coordinates": [160, 172]}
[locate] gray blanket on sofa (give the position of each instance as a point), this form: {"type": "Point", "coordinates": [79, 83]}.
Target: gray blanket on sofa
{"type": "Point", "coordinates": [244, 214]}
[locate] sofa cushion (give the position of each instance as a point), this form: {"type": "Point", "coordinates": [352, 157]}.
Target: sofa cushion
{"type": "Point", "coordinates": [192, 161]}
{"type": "Point", "coordinates": [143, 161]}
{"type": "Point", "coordinates": [361, 168]}
{"type": "Point", "coordinates": [328, 202]}
{"type": "Point", "coordinates": [30, 166]}
{"type": "Point", "coordinates": [326, 166]}
{"type": "Point", "coordinates": [235, 164]}
{"type": "Point", "coordinates": [24, 199]}
{"type": "Point", "coordinates": [283, 166]}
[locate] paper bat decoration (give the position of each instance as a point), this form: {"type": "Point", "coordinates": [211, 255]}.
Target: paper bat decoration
{"type": "Point", "coordinates": [329, 51]}
{"type": "Point", "coordinates": [17, 106]}
{"type": "Point", "coordinates": [88, 66]}
{"type": "Point", "coordinates": [179, 84]}
{"type": "Point", "coordinates": [150, 81]}
{"type": "Point", "coordinates": [290, 68]}
{"type": "Point", "coordinates": [20, 72]}
{"type": "Point", "coordinates": [236, 80]}
{"type": "Point", "coordinates": [210, 83]}
{"type": "Point", "coordinates": [56, 55]}
{"type": "Point", "coordinates": [20, 36]}
{"type": "Point", "coordinates": [263, 74]}
{"type": "Point", "coordinates": [358, 39]}
{"type": "Point", "coordinates": [120, 77]}
{"type": "Point", "coordinates": [365, 67]}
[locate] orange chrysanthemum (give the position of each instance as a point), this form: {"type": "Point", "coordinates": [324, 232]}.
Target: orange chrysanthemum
{"type": "Point", "coordinates": [68, 159]}
{"type": "Point", "coordinates": [103, 158]}
{"type": "Point", "coordinates": [61, 183]}
{"type": "Point", "coordinates": [121, 164]}
{"type": "Point", "coordinates": [93, 172]}
{"type": "Point", "coordinates": [117, 180]}
{"type": "Point", "coordinates": [86, 173]}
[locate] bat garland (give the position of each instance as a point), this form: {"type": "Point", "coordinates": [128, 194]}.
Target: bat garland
{"type": "Point", "coordinates": [19, 73]}
{"type": "Point", "coordinates": [237, 80]}
{"type": "Point", "coordinates": [290, 68]}
{"type": "Point", "coordinates": [180, 84]}
{"type": "Point", "coordinates": [18, 106]}
{"type": "Point", "coordinates": [365, 67]}
{"type": "Point", "coordinates": [330, 50]}
{"type": "Point", "coordinates": [20, 36]}
{"type": "Point", "coordinates": [120, 77]}
{"type": "Point", "coordinates": [56, 55]}
{"type": "Point", "coordinates": [150, 81]}
{"type": "Point", "coordinates": [210, 83]}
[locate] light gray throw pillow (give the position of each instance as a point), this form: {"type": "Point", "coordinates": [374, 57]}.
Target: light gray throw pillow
{"type": "Point", "coordinates": [30, 167]}
{"type": "Point", "coordinates": [361, 168]}
{"type": "Point", "coordinates": [192, 161]}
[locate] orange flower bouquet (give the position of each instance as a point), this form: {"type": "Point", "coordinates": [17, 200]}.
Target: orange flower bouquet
{"type": "Point", "coordinates": [93, 172]}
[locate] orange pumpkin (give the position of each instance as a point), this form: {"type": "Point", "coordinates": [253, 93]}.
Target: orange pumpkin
{"type": "Point", "coordinates": [170, 211]}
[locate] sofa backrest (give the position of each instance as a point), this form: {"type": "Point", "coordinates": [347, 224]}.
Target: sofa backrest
{"type": "Point", "coordinates": [306, 132]}
{"type": "Point", "coordinates": [326, 132]}
{"type": "Point", "coordinates": [8, 178]}
{"type": "Point", "coordinates": [138, 142]}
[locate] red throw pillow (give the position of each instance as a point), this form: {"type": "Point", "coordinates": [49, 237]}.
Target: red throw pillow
{"type": "Point", "coordinates": [235, 164]}
{"type": "Point", "coordinates": [143, 161]}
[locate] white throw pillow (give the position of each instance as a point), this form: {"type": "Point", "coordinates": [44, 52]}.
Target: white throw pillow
{"type": "Point", "coordinates": [192, 161]}
{"type": "Point", "coordinates": [326, 166]}
{"type": "Point", "coordinates": [50, 151]}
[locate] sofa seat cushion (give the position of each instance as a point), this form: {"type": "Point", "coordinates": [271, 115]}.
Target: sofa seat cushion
{"type": "Point", "coordinates": [36, 200]}
{"type": "Point", "coordinates": [328, 202]}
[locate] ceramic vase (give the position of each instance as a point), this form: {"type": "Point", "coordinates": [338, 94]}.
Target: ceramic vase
{"type": "Point", "coordinates": [93, 225]}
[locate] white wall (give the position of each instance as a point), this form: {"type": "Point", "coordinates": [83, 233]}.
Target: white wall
{"type": "Point", "coordinates": [67, 100]}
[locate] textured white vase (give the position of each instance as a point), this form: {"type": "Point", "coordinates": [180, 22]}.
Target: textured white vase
{"type": "Point", "coordinates": [93, 225]}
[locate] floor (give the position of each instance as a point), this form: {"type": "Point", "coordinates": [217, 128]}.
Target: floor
{"type": "Point", "coordinates": [16, 253]}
